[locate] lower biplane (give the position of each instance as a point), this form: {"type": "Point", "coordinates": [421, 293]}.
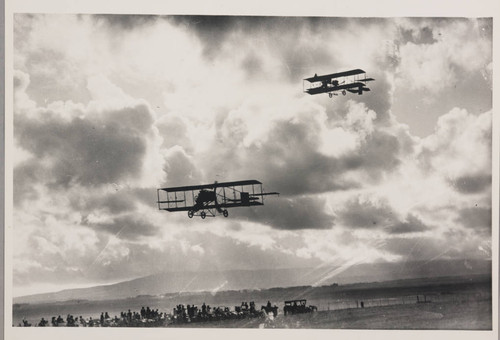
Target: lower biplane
{"type": "Point", "coordinates": [212, 199]}
{"type": "Point", "coordinates": [353, 81]}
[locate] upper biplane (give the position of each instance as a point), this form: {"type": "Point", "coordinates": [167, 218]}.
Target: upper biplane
{"type": "Point", "coordinates": [212, 199]}
{"type": "Point", "coordinates": [353, 81]}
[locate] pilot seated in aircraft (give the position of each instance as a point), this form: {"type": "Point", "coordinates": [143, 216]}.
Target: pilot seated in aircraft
{"type": "Point", "coordinates": [205, 196]}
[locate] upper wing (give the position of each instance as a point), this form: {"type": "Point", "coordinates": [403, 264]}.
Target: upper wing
{"type": "Point", "coordinates": [211, 186]}
{"type": "Point", "coordinates": [316, 78]}
{"type": "Point", "coordinates": [237, 183]}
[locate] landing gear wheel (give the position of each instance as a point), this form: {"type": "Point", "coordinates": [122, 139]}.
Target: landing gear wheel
{"type": "Point", "coordinates": [225, 213]}
{"type": "Point", "coordinates": [203, 215]}
{"type": "Point", "coordinates": [330, 95]}
{"type": "Point", "coordinates": [190, 214]}
{"type": "Point", "coordinates": [344, 92]}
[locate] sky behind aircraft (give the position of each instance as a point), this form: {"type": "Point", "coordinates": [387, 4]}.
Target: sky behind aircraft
{"type": "Point", "coordinates": [107, 108]}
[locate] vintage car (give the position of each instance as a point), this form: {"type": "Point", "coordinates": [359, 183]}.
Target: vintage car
{"type": "Point", "coordinates": [297, 307]}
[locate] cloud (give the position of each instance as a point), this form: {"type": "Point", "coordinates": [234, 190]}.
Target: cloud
{"type": "Point", "coordinates": [219, 34]}
{"type": "Point", "coordinates": [365, 213]}
{"type": "Point", "coordinates": [460, 146]}
{"type": "Point", "coordinates": [372, 213]}
{"type": "Point", "coordinates": [128, 227]}
{"type": "Point", "coordinates": [449, 48]}
{"type": "Point", "coordinates": [73, 145]}
{"type": "Point", "coordinates": [124, 22]}
{"type": "Point", "coordinates": [299, 155]}
{"type": "Point", "coordinates": [412, 224]}
{"type": "Point", "coordinates": [82, 152]}
{"type": "Point", "coordinates": [290, 214]}
{"type": "Point", "coordinates": [454, 245]}
{"type": "Point", "coordinates": [476, 218]}
{"type": "Point", "coordinates": [290, 162]}
{"type": "Point", "coordinates": [100, 123]}
{"type": "Point", "coordinates": [472, 184]}
{"type": "Point", "coordinates": [181, 168]}
{"type": "Point", "coordinates": [377, 155]}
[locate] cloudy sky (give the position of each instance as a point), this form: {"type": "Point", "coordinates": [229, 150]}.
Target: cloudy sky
{"type": "Point", "coordinates": [107, 108]}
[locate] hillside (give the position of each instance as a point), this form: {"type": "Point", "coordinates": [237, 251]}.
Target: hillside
{"type": "Point", "coordinates": [179, 282]}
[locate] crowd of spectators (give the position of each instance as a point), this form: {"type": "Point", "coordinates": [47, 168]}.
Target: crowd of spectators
{"type": "Point", "coordinates": [147, 317]}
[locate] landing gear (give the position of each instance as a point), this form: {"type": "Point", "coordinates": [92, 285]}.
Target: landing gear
{"type": "Point", "coordinates": [203, 215]}
{"type": "Point", "coordinates": [330, 95]}
{"type": "Point", "coordinates": [225, 213]}
{"type": "Point", "coordinates": [190, 214]}
{"type": "Point", "coordinates": [344, 92]}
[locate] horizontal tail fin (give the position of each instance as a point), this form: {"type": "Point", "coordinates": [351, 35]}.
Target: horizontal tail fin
{"type": "Point", "coordinates": [174, 201]}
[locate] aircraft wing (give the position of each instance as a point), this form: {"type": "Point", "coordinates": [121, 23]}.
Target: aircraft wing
{"type": "Point", "coordinates": [211, 186]}
{"type": "Point", "coordinates": [335, 75]}
{"type": "Point", "coordinates": [177, 208]}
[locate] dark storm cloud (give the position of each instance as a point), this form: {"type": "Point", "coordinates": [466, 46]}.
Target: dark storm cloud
{"type": "Point", "coordinates": [476, 218]}
{"type": "Point", "coordinates": [207, 25]}
{"type": "Point", "coordinates": [89, 152]}
{"type": "Point", "coordinates": [124, 21]}
{"type": "Point", "coordinates": [84, 153]}
{"type": "Point", "coordinates": [289, 213]}
{"type": "Point", "coordinates": [423, 35]}
{"type": "Point", "coordinates": [289, 161]}
{"type": "Point", "coordinates": [471, 184]}
{"type": "Point", "coordinates": [297, 55]}
{"type": "Point", "coordinates": [211, 30]}
{"type": "Point", "coordinates": [367, 215]}
{"type": "Point", "coordinates": [380, 216]}
{"type": "Point", "coordinates": [412, 224]}
{"type": "Point", "coordinates": [376, 155]}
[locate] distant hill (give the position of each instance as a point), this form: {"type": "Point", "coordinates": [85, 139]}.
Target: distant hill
{"type": "Point", "coordinates": [175, 282]}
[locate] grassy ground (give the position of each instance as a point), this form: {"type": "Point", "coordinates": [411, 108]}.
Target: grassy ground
{"type": "Point", "coordinates": [474, 315]}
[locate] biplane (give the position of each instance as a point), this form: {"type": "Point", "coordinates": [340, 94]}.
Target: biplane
{"type": "Point", "coordinates": [353, 81]}
{"type": "Point", "coordinates": [212, 199]}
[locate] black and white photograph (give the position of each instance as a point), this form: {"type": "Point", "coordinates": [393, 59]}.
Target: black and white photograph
{"type": "Point", "coordinates": [237, 171]}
